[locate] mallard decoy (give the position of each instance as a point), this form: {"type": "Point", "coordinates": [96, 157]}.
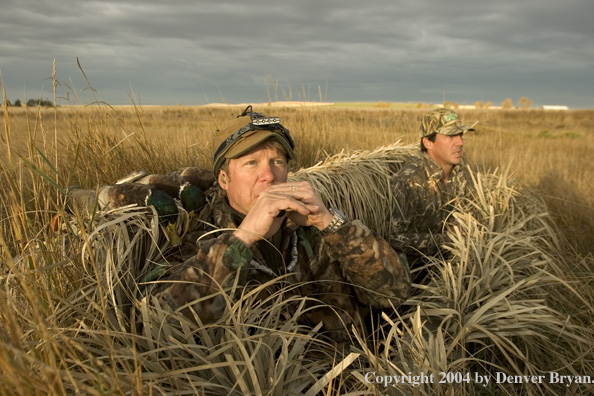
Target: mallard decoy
{"type": "Point", "coordinates": [192, 197]}
{"type": "Point", "coordinates": [118, 195]}
{"type": "Point", "coordinates": [187, 184]}
{"type": "Point", "coordinates": [169, 183]}
{"type": "Point", "coordinates": [79, 201]}
{"type": "Point", "coordinates": [201, 177]}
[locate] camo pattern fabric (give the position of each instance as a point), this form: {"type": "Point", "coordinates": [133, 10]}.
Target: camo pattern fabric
{"type": "Point", "coordinates": [423, 204]}
{"type": "Point", "coordinates": [443, 121]}
{"type": "Point", "coordinates": [350, 270]}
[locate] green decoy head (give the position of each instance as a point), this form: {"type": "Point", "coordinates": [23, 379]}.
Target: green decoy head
{"type": "Point", "coordinates": [192, 197]}
{"type": "Point", "coordinates": [164, 204]}
{"type": "Point", "coordinates": [167, 211]}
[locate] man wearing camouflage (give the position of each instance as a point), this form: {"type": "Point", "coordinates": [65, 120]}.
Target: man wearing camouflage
{"type": "Point", "coordinates": [270, 228]}
{"type": "Point", "coordinates": [424, 188]}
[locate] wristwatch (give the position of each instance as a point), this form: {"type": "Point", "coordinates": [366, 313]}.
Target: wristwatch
{"type": "Point", "coordinates": [339, 220]}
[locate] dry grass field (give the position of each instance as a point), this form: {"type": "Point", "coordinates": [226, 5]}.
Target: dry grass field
{"type": "Point", "coordinates": [547, 151]}
{"type": "Point", "coordinates": [516, 298]}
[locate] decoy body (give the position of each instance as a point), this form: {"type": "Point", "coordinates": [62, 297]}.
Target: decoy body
{"type": "Point", "coordinates": [122, 194]}
{"type": "Point", "coordinates": [168, 183]}
{"type": "Point", "coordinates": [83, 202]}
{"type": "Point", "coordinates": [186, 184]}
{"type": "Point", "coordinates": [132, 177]}
{"type": "Point", "coordinates": [159, 191]}
{"type": "Point", "coordinates": [118, 195]}
{"type": "Point", "coordinates": [201, 177]}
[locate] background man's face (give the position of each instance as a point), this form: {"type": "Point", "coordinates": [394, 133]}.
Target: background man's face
{"type": "Point", "coordinates": [446, 150]}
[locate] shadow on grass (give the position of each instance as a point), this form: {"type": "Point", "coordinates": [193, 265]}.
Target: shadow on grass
{"type": "Point", "coordinates": [569, 210]}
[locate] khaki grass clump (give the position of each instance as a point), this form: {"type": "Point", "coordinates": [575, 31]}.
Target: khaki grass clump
{"type": "Point", "coordinates": [359, 183]}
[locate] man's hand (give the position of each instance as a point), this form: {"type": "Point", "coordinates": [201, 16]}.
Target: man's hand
{"type": "Point", "coordinates": [303, 192]}
{"type": "Point", "coordinates": [299, 202]}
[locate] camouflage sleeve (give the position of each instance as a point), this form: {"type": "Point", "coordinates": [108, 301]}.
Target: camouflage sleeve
{"type": "Point", "coordinates": [416, 225]}
{"type": "Point", "coordinates": [214, 266]}
{"type": "Point", "coordinates": [417, 243]}
{"type": "Point", "coordinates": [369, 264]}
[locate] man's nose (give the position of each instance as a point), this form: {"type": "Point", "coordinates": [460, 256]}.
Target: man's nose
{"type": "Point", "coordinates": [266, 173]}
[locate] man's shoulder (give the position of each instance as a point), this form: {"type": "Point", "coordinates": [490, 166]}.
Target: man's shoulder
{"type": "Point", "coordinates": [217, 211]}
{"type": "Point", "coordinates": [417, 168]}
{"type": "Point", "coordinates": [462, 179]}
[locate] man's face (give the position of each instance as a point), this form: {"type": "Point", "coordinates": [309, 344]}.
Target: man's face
{"type": "Point", "coordinates": [446, 150]}
{"type": "Point", "coordinates": [251, 173]}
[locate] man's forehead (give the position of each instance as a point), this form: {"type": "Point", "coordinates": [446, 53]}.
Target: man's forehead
{"type": "Point", "coordinates": [265, 148]}
{"type": "Point", "coordinates": [260, 151]}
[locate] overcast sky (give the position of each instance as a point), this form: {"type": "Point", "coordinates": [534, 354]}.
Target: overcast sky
{"type": "Point", "coordinates": [198, 52]}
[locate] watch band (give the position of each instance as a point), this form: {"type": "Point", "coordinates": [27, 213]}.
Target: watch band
{"type": "Point", "coordinates": [339, 220]}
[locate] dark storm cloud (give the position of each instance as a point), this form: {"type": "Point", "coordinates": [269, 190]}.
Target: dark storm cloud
{"type": "Point", "coordinates": [190, 52]}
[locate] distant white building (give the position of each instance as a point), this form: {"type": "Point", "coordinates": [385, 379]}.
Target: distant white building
{"type": "Point", "coordinates": [555, 107]}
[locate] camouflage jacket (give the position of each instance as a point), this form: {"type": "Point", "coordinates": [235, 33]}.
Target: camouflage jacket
{"type": "Point", "coordinates": [423, 203]}
{"type": "Point", "coordinates": [362, 268]}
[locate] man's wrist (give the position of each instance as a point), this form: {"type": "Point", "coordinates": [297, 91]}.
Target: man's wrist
{"type": "Point", "coordinates": [338, 220]}
{"type": "Point", "coordinates": [237, 255]}
{"type": "Point", "coordinates": [248, 238]}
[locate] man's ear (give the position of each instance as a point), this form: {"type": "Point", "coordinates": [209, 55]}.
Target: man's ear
{"type": "Point", "coordinates": [427, 143]}
{"type": "Point", "coordinates": [223, 180]}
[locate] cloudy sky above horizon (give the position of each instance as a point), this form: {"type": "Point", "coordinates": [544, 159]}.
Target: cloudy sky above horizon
{"type": "Point", "coordinates": [197, 52]}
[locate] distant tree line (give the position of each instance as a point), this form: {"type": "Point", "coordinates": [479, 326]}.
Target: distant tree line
{"type": "Point", "coordinates": [31, 103]}
{"type": "Point", "coordinates": [523, 103]}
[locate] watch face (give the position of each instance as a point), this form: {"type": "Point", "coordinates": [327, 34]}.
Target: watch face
{"type": "Point", "coordinates": [339, 214]}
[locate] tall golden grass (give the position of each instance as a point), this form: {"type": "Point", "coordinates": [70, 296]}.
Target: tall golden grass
{"type": "Point", "coordinates": [512, 295]}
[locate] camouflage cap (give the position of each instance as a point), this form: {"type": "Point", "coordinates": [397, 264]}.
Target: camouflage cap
{"type": "Point", "coordinates": [237, 137]}
{"type": "Point", "coordinates": [443, 121]}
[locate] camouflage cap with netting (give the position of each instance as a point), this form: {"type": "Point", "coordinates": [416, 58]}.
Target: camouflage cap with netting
{"type": "Point", "coordinates": [443, 121]}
